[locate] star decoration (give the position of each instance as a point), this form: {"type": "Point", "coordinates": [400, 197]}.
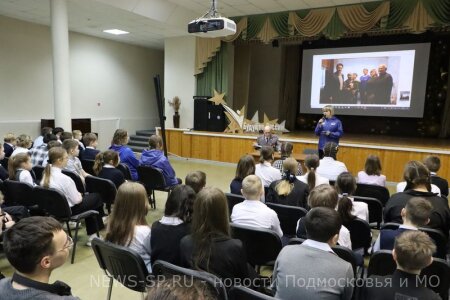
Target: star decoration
{"type": "Point", "coordinates": [269, 122]}
{"type": "Point", "coordinates": [233, 127]}
{"type": "Point", "coordinates": [218, 98]}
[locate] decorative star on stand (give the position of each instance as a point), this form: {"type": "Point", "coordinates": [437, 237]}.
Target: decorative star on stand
{"type": "Point", "coordinates": [218, 98]}
{"type": "Point", "coordinates": [234, 126]}
{"type": "Point", "coordinates": [269, 122]}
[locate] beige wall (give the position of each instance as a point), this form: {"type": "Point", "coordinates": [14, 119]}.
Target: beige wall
{"type": "Point", "coordinates": [111, 82]}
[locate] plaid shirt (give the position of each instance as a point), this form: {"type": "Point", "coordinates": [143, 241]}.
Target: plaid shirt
{"type": "Point", "coordinates": [38, 155]}
{"type": "Point", "coordinates": [278, 164]}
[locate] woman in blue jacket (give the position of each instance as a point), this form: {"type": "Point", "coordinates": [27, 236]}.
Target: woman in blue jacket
{"type": "Point", "coordinates": [329, 128]}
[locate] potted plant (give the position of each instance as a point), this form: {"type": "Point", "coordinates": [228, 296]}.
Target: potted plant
{"type": "Point", "coordinates": [176, 103]}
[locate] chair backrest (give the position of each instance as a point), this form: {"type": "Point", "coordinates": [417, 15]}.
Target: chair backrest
{"type": "Point", "coordinates": [18, 193]}
{"type": "Point", "coordinates": [381, 263]}
{"type": "Point", "coordinates": [213, 282]}
{"type": "Point", "coordinates": [125, 171]}
{"type": "Point", "coordinates": [360, 233]}
{"type": "Point", "coordinates": [77, 179]}
{"type": "Point", "coordinates": [88, 165]}
{"type": "Point", "coordinates": [232, 200]}
{"type": "Point", "coordinates": [151, 177]}
{"type": "Point", "coordinates": [261, 245]}
{"type": "Point", "coordinates": [375, 209]}
{"type": "Point", "coordinates": [440, 240]}
{"type": "Point", "coordinates": [52, 202]}
{"type": "Point", "coordinates": [104, 187]}
{"type": "Point", "coordinates": [123, 264]}
{"type": "Point", "coordinates": [288, 216]}
{"type": "Point", "coordinates": [4, 163]}
{"type": "Point", "coordinates": [38, 171]}
{"type": "Point", "coordinates": [374, 191]}
{"type": "Point", "coordinates": [390, 225]}
{"type": "Point", "coordinates": [296, 241]}
{"type": "Point", "coordinates": [244, 293]}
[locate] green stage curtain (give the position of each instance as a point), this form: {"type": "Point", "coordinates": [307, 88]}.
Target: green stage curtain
{"type": "Point", "coordinates": [335, 28]}
{"type": "Point", "coordinates": [439, 10]}
{"type": "Point", "coordinates": [399, 12]}
{"type": "Point", "coordinates": [215, 75]}
{"type": "Point", "coordinates": [280, 23]}
{"type": "Point", "coordinates": [254, 25]}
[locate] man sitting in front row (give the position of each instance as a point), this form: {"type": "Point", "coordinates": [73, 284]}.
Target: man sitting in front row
{"type": "Point", "coordinates": [35, 246]}
{"type": "Point", "coordinates": [312, 270]}
{"type": "Point", "coordinates": [412, 252]}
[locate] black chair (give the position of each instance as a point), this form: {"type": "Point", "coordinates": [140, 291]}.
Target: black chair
{"type": "Point", "coordinates": [55, 204]}
{"type": "Point", "coordinates": [18, 193]}
{"type": "Point", "coordinates": [165, 269]}
{"type": "Point", "coordinates": [123, 264]}
{"type": "Point", "coordinates": [332, 182]}
{"type": "Point", "coordinates": [4, 163]}
{"type": "Point", "coordinates": [153, 179]}
{"type": "Point", "coordinates": [88, 165]}
{"type": "Point", "coordinates": [125, 171]}
{"type": "Point", "coordinates": [360, 234]}
{"type": "Point", "coordinates": [261, 245]}
{"type": "Point", "coordinates": [390, 225]}
{"type": "Point", "coordinates": [288, 216]}
{"type": "Point", "coordinates": [381, 263]}
{"type": "Point", "coordinates": [104, 187]}
{"type": "Point", "coordinates": [232, 200]}
{"type": "Point", "coordinates": [440, 240]}
{"type": "Point", "coordinates": [77, 179]}
{"type": "Point", "coordinates": [38, 171]}
{"type": "Point", "coordinates": [373, 191]}
{"type": "Point", "coordinates": [375, 209]}
{"type": "Point", "coordinates": [244, 293]}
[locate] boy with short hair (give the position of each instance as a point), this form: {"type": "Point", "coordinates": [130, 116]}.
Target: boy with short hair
{"type": "Point", "coordinates": [196, 180]}
{"type": "Point", "coordinates": [90, 143]}
{"type": "Point", "coordinates": [433, 163]}
{"type": "Point", "coordinates": [9, 144]}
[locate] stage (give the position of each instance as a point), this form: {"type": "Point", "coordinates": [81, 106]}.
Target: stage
{"type": "Point", "coordinates": [394, 152]}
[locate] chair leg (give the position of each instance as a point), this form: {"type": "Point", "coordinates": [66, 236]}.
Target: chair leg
{"type": "Point", "coordinates": [154, 200]}
{"type": "Point", "coordinates": [75, 240]}
{"type": "Point", "coordinates": [68, 229]}
{"type": "Point", "coordinates": [110, 288]}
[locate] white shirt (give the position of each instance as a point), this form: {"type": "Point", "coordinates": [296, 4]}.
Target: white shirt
{"type": "Point", "coordinates": [371, 179]}
{"type": "Point", "coordinates": [360, 210]}
{"type": "Point", "coordinates": [267, 173]}
{"type": "Point", "coordinates": [139, 243]}
{"type": "Point", "coordinates": [434, 189]}
{"type": "Point", "coordinates": [319, 179]}
{"type": "Point", "coordinates": [256, 214]}
{"type": "Point", "coordinates": [25, 176]}
{"type": "Point", "coordinates": [65, 185]}
{"type": "Point", "coordinates": [38, 141]}
{"type": "Point", "coordinates": [344, 236]}
{"type": "Point", "coordinates": [318, 245]}
{"type": "Point", "coordinates": [172, 221]}
{"type": "Point", "coordinates": [19, 150]}
{"type": "Point", "coordinates": [330, 168]}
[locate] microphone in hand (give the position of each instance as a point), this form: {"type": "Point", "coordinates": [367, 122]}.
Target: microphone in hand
{"type": "Point", "coordinates": [322, 120]}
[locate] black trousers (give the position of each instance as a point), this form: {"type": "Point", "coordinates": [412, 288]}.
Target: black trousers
{"type": "Point", "coordinates": [91, 202]}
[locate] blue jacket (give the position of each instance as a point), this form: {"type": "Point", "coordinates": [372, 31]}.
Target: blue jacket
{"type": "Point", "coordinates": [127, 157]}
{"type": "Point", "coordinates": [334, 126]}
{"type": "Point", "coordinates": [156, 159]}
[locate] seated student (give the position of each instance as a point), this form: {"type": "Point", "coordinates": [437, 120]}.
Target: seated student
{"type": "Point", "coordinates": [54, 178]}
{"type": "Point", "coordinates": [289, 190]}
{"type": "Point", "coordinates": [286, 151]}
{"type": "Point", "coordinates": [402, 187]}
{"type": "Point", "coordinates": [245, 167]}
{"type": "Point", "coordinates": [314, 259]}
{"type": "Point", "coordinates": [65, 136]}
{"type": "Point", "coordinates": [311, 178]}
{"type": "Point", "coordinates": [126, 155]}
{"type": "Point", "coordinates": [90, 150]}
{"type": "Point", "coordinates": [329, 167]}
{"type": "Point", "coordinates": [77, 136]}
{"type": "Point", "coordinates": [346, 186]}
{"type": "Point", "coordinates": [19, 168]}
{"type": "Point", "coordinates": [196, 180]}
{"type": "Point", "coordinates": [35, 247]}
{"type": "Point", "coordinates": [209, 247]}
{"type": "Point", "coordinates": [127, 224]}
{"type": "Point", "coordinates": [74, 163]}
{"type": "Point", "coordinates": [415, 214]}
{"type": "Point", "coordinates": [372, 172]}
{"type": "Point", "coordinates": [23, 144]}
{"type": "Point", "coordinates": [9, 144]}
{"type": "Point", "coordinates": [252, 212]}
{"type": "Point", "coordinates": [58, 131]}
{"type": "Point", "coordinates": [264, 169]}
{"type": "Point", "coordinates": [412, 252]}
{"type": "Point", "coordinates": [105, 167]}
{"type": "Point", "coordinates": [155, 158]}
{"type": "Point", "coordinates": [7, 221]}
{"type": "Point", "coordinates": [433, 163]}
{"type": "Point", "coordinates": [324, 196]}
{"type": "Point", "coordinates": [40, 139]}
{"type": "Point", "coordinates": [417, 178]}
{"type": "Point", "coordinates": [3, 172]}
{"type": "Point", "coordinates": [173, 226]}
{"type": "Point", "coordinates": [39, 153]}
{"type": "Point", "coordinates": [188, 288]}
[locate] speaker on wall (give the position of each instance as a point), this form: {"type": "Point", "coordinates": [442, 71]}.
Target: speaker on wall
{"type": "Point", "coordinates": [207, 116]}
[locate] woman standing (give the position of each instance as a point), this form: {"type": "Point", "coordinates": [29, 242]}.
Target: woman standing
{"type": "Point", "coordinates": [329, 128]}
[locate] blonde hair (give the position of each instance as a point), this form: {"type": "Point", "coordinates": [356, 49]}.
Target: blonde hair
{"type": "Point", "coordinates": [328, 108]}
{"type": "Point", "coordinates": [251, 187]}
{"type": "Point", "coordinates": [24, 141]}
{"type": "Point", "coordinates": [284, 187]}
{"type": "Point", "coordinates": [54, 154]}
{"type": "Point", "coordinates": [15, 162]}
{"type": "Point", "coordinates": [414, 250]}
{"type": "Point", "coordinates": [77, 134]}
{"type": "Point", "coordinates": [9, 137]}
{"type": "Point", "coordinates": [120, 137]}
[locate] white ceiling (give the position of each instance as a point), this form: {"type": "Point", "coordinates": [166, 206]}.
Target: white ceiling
{"type": "Point", "coordinates": [148, 21]}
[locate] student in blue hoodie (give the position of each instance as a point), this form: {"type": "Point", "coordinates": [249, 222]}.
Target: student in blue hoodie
{"type": "Point", "coordinates": [154, 157]}
{"type": "Point", "coordinates": [329, 128]}
{"type": "Point", "coordinates": [126, 155]}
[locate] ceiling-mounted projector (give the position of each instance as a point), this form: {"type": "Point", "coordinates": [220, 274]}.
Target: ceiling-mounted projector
{"type": "Point", "coordinates": [212, 24]}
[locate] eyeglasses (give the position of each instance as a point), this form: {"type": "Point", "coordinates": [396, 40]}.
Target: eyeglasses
{"type": "Point", "coordinates": [69, 244]}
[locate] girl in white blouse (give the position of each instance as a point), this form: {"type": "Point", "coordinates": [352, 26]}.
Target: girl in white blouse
{"type": "Point", "coordinates": [311, 178]}
{"type": "Point", "coordinates": [372, 172]}
{"type": "Point", "coordinates": [19, 168]}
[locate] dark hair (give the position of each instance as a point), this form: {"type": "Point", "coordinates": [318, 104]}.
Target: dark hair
{"type": "Point", "coordinates": [120, 137]}
{"type": "Point", "coordinates": [311, 163]}
{"type": "Point", "coordinates": [323, 195]}
{"type": "Point", "coordinates": [28, 241]}
{"type": "Point", "coordinates": [105, 157]}
{"type": "Point", "coordinates": [339, 64]}
{"type": "Point", "coordinates": [49, 137]}
{"type": "Point", "coordinates": [245, 167]}
{"type": "Point", "coordinates": [418, 211]}
{"type": "Point", "coordinates": [154, 141]}
{"type": "Point", "coordinates": [416, 174]}
{"type": "Point", "coordinates": [180, 203]}
{"type": "Point", "coordinates": [286, 149]}
{"type": "Point", "coordinates": [433, 163]}
{"type": "Point", "coordinates": [89, 138]}
{"type": "Point", "coordinates": [196, 180]}
{"type": "Point", "coordinates": [373, 165]}
{"type": "Point", "coordinates": [187, 288]}
{"type": "Point", "coordinates": [66, 136]}
{"type": "Point", "coordinates": [57, 130]}
{"type": "Point", "coordinates": [46, 130]}
{"type": "Point", "coordinates": [345, 183]}
{"type": "Point", "coordinates": [266, 154]}
{"type": "Point", "coordinates": [210, 220]}
{"type": "Point", "coordinates": [322, 223]}
{"type": "Point", "coordinates": [330, 150]}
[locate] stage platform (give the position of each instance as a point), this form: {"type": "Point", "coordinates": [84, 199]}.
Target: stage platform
{"type": "Point", "coordinates": [394, 152]}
